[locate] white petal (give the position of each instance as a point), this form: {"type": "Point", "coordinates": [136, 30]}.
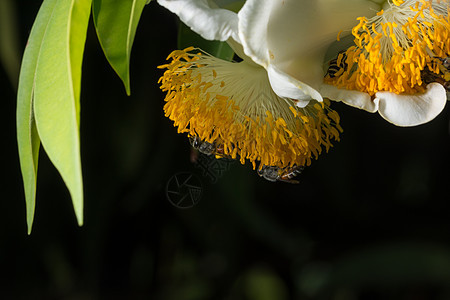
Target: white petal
{"type": "Point", "coordinates": [253, 21]}
{"type": "Point", "coordinates": [211, 23]}
{"type": "Point", "coordinates": [350, 97]}
{"type": "Point", "coordinates": [288, 87]}
{"type": "Point", "coordinates": [239, 51]}
{"type": "Point", "coordinates": [299, 28]}
{"type": "Point", "coordinates": [295, 34]}
{"type": "Point", "coordinates": [406, 110]}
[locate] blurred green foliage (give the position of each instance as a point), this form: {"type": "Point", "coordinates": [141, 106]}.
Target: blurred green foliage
{"type": "Point", "coordinates": [9, 41]}
{"type": "Point", "coordinates": [369, 220]}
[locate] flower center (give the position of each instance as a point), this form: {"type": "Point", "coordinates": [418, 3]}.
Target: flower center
{"type": "Point", "coordinates": [398, 50]}
{"type": "Point", "coordinates": [233, 106]}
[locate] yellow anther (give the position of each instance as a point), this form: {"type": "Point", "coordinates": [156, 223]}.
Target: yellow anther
{"type": "Point", "coordinates": [391, 53]}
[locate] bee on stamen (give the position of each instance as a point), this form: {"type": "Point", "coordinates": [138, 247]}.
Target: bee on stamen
{"type": "Point", "coordinates": [429, 76]}
{"type": "Point", "coordinates": [445, 62]}
{"type": "Point", "coordinates": [273, 173]}
{"type": "Point", "coordinates": [205, 147]}
{"type": "Point", "coordinates": [338, 65]}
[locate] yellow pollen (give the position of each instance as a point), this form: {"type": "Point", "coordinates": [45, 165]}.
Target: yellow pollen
{"type": "Point", "coordinates": [398, 2]}
{"type": "Point", "coordinates": [396, 49]}
{"type": "Point", "coordinates": [234, 107]}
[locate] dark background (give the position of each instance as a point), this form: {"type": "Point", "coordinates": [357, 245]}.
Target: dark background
{"type": "Point", "coordinates": [369, 220]}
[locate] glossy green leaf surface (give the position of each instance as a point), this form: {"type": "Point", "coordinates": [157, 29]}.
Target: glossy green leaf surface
{"type": "Point", "coordinates": [116, 23]}
{"type": "Point", "coordinates": [48, 98]}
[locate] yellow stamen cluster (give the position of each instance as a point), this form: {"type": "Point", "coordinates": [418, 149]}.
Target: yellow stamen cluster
{"type": "Point", "coordinates": [228, 104]}
{"type": "Point", "coordinates": [395, 48]}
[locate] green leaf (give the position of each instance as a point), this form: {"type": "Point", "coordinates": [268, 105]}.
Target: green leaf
{"type": "Point", "coordinates": [116, 23]}
{"type": "Point", "coordinates": [48, 97]}
{"type": "Point", "coordinates": [27, 137]}
{"type": "Point", "coordinates": [188, 38]}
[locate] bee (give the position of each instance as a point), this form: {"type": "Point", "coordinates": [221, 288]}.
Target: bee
{"type": "Point", "coordinates": [445, 62]}
{"type": "Point", "coordinates": [205, 147]}
{"type": "Point", "coordinates": [334, 67]}
{"type": "Point", "coordinates": [429, 76]}
{"type": "Point", "coordinates": [273, 173]}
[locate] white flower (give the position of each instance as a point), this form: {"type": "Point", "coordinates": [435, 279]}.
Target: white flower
{"type": "Point", "coordinates": [270, 107]}
{"type": "Point", "coordinates": [266, 108]}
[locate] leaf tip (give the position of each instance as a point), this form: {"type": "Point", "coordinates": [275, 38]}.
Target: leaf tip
{"type": "Point", "coordinates": [30, 214]}
{"type": "Point", "coordinates": [29, 227]}
{"type": "Point", "coordinates": [79, 212]}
